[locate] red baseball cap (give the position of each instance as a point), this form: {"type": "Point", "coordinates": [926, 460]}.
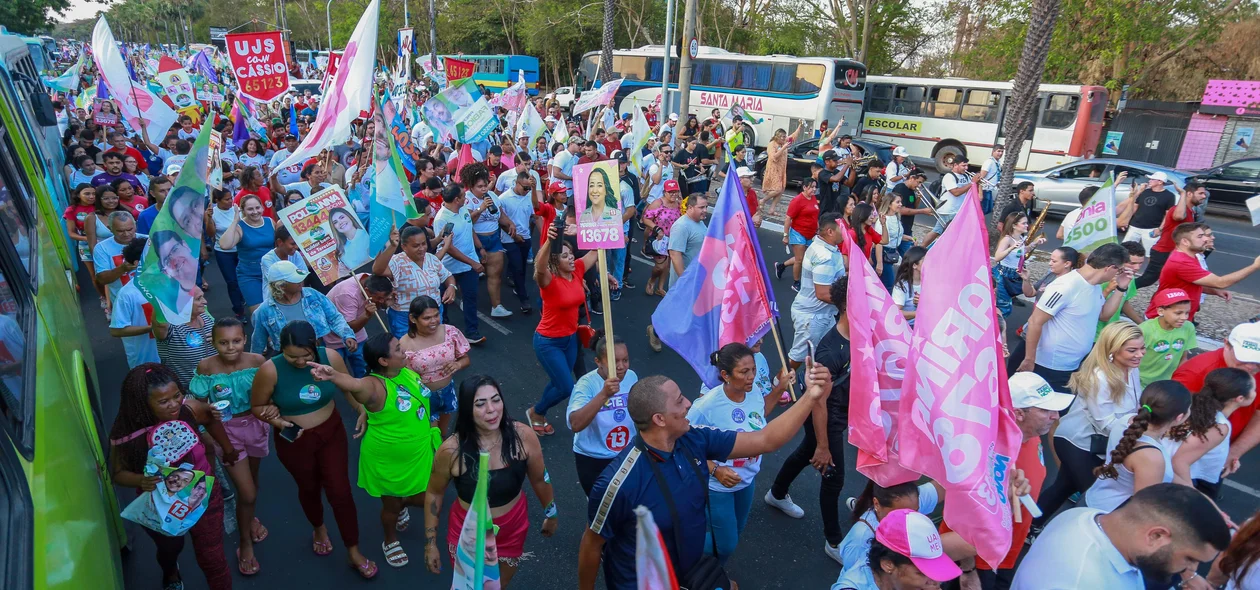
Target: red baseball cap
{"type": "Point", "coordinates": [1170, 296]}
{"type": "Point", "coordinates": [557, 187]}
{"type": "Point", "coordinates": [671, 186]}
{"type": "Point", "coordinates": [912, 534]}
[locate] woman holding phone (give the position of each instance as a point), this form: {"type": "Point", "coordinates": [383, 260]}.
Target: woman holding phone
{"type": "Point", "coordinates": [310, 438]}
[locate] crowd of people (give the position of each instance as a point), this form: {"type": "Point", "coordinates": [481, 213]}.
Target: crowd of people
{"type": "Point", "coordinates": [1142, 428]}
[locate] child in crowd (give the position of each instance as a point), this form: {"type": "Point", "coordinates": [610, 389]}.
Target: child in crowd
{"type": "Point", "coordinates": [1168, 336]}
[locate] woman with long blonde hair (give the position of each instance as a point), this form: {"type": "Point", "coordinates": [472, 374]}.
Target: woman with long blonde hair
{"type": "Point", "coordinates": [775, 179]}
{"type": "Point", "coordinates": [1107, 387]}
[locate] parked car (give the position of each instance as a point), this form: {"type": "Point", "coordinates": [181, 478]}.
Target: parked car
{"type": "Point", "coordinates": [1062, 184]}
{"type": "Point", "coordinates": [299, 86]}
{"type": "Point", "coordinates": [1232, 183]}
{"type": "Point", "coordinates": [564, 95]}
{"type": "Point", "coordinates": [800, 158]}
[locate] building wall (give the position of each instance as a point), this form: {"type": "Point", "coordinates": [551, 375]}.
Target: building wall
{"type": "Point", "coordinates": [1202, 142]}
{"type": "Point", "coordinates": [1225, 151]}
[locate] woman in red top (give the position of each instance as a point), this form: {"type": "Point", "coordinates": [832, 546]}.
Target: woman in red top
{"type": "Point", "coordinates": [253, 183]}
{"type": "Point", "coordinates": [799, 228]}
{"type": "Point", "coordinates": [559, 278]}
{"type": "Point", "coordinates": [862, 220]}
{"type": "Point", "coordinates": [553, 201]}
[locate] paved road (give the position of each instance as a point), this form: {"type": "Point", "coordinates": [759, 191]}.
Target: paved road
{"type": "Point", "coordinates": [775, 552]}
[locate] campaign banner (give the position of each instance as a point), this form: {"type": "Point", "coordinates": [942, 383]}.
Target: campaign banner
{"type": "Point", "coordinates": [458, 69]}
{"type": "Point", "coordinates": [260, 63]}
{"type": "Point", "coordinates": [214, 175]}
{"type": "Point", "coordinates": [180, 499]}
{"type": "Point", "coordinates": [334, 60]}
{"type": "Point", "coordinates": [1096, 225]}
{"type": "Point", "coordinates": [455, 114]}
{"type": "Point", "coordinates": [328, 232]}
{"type": "Point", "coordinates": [103, 113]}
{"type": "Point", "coordinates": [406, 41]}
{"type": "Point", "coordinates": [176, 83]}
{"type": "Point", "coordinates": [407, 150]}
{"type": "Point", "coordinates": [597, 196]}
{"type": "Point", "coordinates": [597, 97]}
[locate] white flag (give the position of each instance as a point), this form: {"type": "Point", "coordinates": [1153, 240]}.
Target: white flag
{"type": "Point", "coordinates": [530, 125]}
{"type": "Point", "coordinates": [140, 107]}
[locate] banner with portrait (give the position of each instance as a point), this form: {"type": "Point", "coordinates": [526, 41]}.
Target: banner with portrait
{"type": "Point", "coordinates": [214, 176]}
{"type": "Point", "coordinates": [460, 112]}
{"type": "Point", "coordinates": [328, 233]}
{"type": "Point", "coordinates": [172, 258]}
{"type": "Point", "coordinates": [103, 113]}
{"type": "Point", "coordinates": [176, 83]}
{"type": "Point", "coordinates": [597, 198]}
{"type": "Point", "coordinates": [178, 502]}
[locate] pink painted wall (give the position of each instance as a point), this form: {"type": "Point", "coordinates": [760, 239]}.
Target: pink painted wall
{"type": "Point", "coordinates": [1202, 138]}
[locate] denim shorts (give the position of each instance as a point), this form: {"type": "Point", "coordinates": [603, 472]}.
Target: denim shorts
{"type": "Point", "coordinates": [444, 401]}
{"type": "Point", "coordinates": [939, 228]}
{"type": "Point", "coordinates": [491, 242]}
{"type": "Point", "coordinates": [796, 239]}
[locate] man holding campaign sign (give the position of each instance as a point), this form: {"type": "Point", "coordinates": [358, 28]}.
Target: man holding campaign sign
{"type": "Point", "coordinates": [171, 261]}
{"type": "Point", "coordinates": [260, 64]}
{"type": "Point", "coordinates": [1096, 224]}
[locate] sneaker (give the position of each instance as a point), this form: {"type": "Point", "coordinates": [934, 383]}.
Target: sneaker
{"type": "Point", "coordinates": [833, 552]}
{"type": "Point", "coordinates": [786, 505]}
{"type": "Point", "coordinates": [526, 310]}
{"type": "Point", "coordinates": [626, 284]}
{"type": "Point", "coordinates": [476, 340]}
{"type": "Point", "coordinates": [778, 270]}
{"type": "Point", "coordinates": [530, 260]}
{"type": "Point", "coordinates": [851, 503]}
{"type": "Point", "coordinates": [653, 340]}
{"type": "Point", "coordinates": [500, 312]}
{"type": "Point", "coordinates": [796, 286]}
{"type": "Point", "coordinates": [614, 295]}
{"type": "Point", "coordinates": [596, 307]}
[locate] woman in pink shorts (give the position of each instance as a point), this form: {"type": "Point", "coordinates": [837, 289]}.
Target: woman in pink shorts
{"type": "Point", "coordinates": [227, 377]}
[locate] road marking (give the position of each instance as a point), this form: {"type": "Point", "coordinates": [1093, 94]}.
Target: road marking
{"type": "Point", "coordinates": [1232, 254]}
{"type": "Point", "coordinates": [1246, 489]}
{"type": "Point", "coordinates": [487, 320]}
{"type": "Point", "coordinates": [1221, 233]}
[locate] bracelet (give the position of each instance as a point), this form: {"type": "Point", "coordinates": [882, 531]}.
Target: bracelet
{"type": "Point", "coordinates": [713, 471]}
{"type": "Point", "coordinates": [550, 511]}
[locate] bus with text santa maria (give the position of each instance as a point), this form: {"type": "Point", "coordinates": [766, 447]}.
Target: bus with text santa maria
{"type": "Point", "coordinates": [943, 118]}
{"type": "Point", "coordinates": [778, 91]}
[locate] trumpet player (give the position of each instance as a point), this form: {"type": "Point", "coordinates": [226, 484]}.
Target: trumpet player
{"type": "Point", "coordinates": [990, 172]}
{"type": "Point", "coordinates": [954, 186]}
{"type": "Point", "coordinates": [898, 169]}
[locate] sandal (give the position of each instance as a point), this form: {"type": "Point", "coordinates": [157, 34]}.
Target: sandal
{"type": "Point", "coordinates": [404, 519]}
{"type": "Point", "coordinates": [394, 554]}
{"type": "Point", "coordinates": [262, 533]}
{"type": "Point", "coordinates": [247, 568]}
{"type": "Point", "coordinates": [367, 569]}
{"type": "Point", "coordinates": [320, 548]}
{"type": "Point", "coordinates": [540, 428]}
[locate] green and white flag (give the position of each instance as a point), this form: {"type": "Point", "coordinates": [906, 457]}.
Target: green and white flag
{"type": "Point", "coordinates": [642, 133]}
{"type": "Point", "coordinates": [530, 124]}
{"type": "Point", "coordinates": [476, 555]}
{"type": "Point", "coordinates": [1096, 224]}
{"type": "Point", "coordinates": [561, 133]}
{"type": "Point", "coordinates": [171, 257]}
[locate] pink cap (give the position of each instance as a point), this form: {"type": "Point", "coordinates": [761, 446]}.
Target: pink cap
{"type": "Point", "coordinates": [913, 535]}
{"type": "Point", "coordinates": [671, 186]}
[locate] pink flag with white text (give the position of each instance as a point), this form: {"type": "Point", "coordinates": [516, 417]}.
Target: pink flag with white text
{"type": "Point", "coordinates": [879, 339]}
{"type": "Point", "coordinates": [143, 110]}
{"type": "Point", "coordinates": [957, 426]}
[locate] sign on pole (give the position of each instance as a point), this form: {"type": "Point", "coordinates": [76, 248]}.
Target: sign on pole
{"type": "Point", "coordinates": [260, 64]}
{"type": "Point", "coordinates": [458, 69]}
{"type": "Point", "coordinates": [597, 196]}
{"type": "Point", "coordinates": [328, 232]}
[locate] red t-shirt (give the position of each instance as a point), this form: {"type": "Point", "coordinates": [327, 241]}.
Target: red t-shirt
{"type": "Point", "coordinates": [138, 203]}
{"type": "Point", "coordinates": [1165, 243]}
{"type": "Point", "coordinates": [611, 145]}
{"type": "Point", "coordinates": [129, 151]}
{"type": "Point", "coordinates": [804, 214]}
{"type": "Point", "coordinates": [1194, 371]}
{"type": "Point", "coordinates": [1180, 272]}
{"type": "Point", "coordinates": [750, 195]}
{"type": "Point", "coordinates": [586, 160]}
{"type": "Point", "coordinates": [561, 300]}
{"type": "Point", "coordinates": [1032, 461]}
{"type": "Point", "coordinates": [264, 193]}
{"type": "Point", "coordinates": [547, 212]}
{"type": "Point", "coordinates": [72, 214]}
{"type": "Point", "coordinates": [871, 238]}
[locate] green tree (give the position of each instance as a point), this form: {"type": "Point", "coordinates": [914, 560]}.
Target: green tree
{"type": "Point", "coordinates": [30, 17]}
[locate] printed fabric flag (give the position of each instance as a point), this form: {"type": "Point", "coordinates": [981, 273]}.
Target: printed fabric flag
{"type": "Point", "coordinates": [530, 124]}
{"type": "Point", "coordinates": [722, 297]}
{"type": "Point", "coordinates": [176, 83]}
{"type": "Point", "coordinates": [642, 133]}
{"type": "Point", "coordinates": [349, 92]}
{"type": "Point", "coordinates": [68, 81]}
{"type": "Point", "coordinates": [476, 555]}
{"type": "Point", "coordinates": [240, 129]}
{"type": "Point", "coordinates": [956, 400]}
{"type": "Point", "coordinates": [514, 97]}
{"type": "Point", "coordinates": [1096, 224]}
{"type": "Point", "coordinates": [391, 204]}
{"type": "Point", "coordinates": [560, 134]}
{"type": "Point", "coordinates": [407, 151]}
{"type": "Point", "coordinates": [171, 260]}
{"type": "Point", "coordinates": [652, 567]}
{"type": "Point", "coordinates": [460, 112]}
{"type": "Point", "coordinates": [200, 63]}
{"type": "Point", "coordinates": [141, 108]}
{"type": "Point", "coordinates": [879, 341]}
{"type": "Point", "coordinates": [597, 97]}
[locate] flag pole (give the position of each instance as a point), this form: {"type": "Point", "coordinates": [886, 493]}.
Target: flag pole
{"type": "Point", "coordinates": [610, 350]}
{"type": "Point", "coordinates": [365, 298]}
{"type": "Point", "coordinates": [778, 344]}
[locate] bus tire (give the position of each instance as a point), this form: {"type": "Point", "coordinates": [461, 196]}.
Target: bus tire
{"type": "Point", "coordinates": [945, 154]}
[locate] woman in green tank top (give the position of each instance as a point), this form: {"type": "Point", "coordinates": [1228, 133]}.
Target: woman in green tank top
{"type": "Point", "coordinates": [397, 453]}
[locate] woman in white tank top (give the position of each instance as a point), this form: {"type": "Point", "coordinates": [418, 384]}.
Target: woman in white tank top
{"type": "Point", "coordinates": [220, 215]}
{"type": "Point", "coordinates": [1140, 452]}
{"type": "Point", "coordinates": [1202, 458]}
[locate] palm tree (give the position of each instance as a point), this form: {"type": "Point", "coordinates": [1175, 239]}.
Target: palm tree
{"type": "Point", "coordinates": [1020, 112]}
{"type": "Point", "coordinates": [606, 56]}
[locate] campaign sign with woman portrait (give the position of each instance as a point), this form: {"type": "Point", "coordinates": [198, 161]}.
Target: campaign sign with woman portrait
{"type": "Point", "coordinates": [460, 112]}
{"type": "Point", "coordinates": [173, 253]}
{"type": "Point", "coordinates": [179, 500]}
{"type": "Point", "coordinates": [328, 232]}
{"type": "Point", "coordinates": [597, 196]}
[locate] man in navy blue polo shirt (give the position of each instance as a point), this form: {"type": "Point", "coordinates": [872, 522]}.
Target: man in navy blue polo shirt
{"type": "Point", "coordinates": [659, 411]}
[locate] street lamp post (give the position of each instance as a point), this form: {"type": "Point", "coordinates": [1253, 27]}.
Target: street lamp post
{"type": "Point", "coordinates": [328, 16]}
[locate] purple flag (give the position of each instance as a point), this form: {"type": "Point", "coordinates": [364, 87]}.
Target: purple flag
{"type": "Point", "coordinates": [201, 64]}
{"type": "Point", "coordinates": [240, 127]}
{"type": "Point", "coordinates": [723, 296]}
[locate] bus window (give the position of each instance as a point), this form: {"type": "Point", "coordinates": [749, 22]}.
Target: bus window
{"type": "Point", "coordinates": [880, 98]}
{"type": "Point", "coordinates": [908, 100]}
{"type": "Point", "coordinates": [850, 76]}
{"type": "Point", "coordinates": [699, 72]}
{"type": "Point", "coordinates": [13, 311]}
{"type": "Point", "coordinates": [1060, 111]}
{"type": "Point", "coordinates": [655, 67]}
{"type": "Point", "coordinates": [981, 106]}
{"type": "Point", "coordinates": [809, 78]}
{"type": "Point", "coordinates": [782, 77]}
{"type": "Point", "coordinates": [722, 74]}
{"type": "Point", "coordinates": [754, 76]}
{"type": "Point", "coordinates": [944, 103]}
{"type": "Point", "coordinates": [630, 67]}
{"type": "Point", "coordinates": [588, 71]}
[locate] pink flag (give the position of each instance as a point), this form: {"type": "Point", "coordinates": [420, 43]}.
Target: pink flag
{"type": "Point", "coordinates": [880, 340]}
{"type": "Point", "coordinates": [960, 431]}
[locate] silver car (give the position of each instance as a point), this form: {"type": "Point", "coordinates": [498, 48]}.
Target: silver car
{"type": "Point", "coordinates": [1062, 185]}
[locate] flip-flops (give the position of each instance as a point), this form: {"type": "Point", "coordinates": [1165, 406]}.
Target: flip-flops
{"type": "Point", "coordinates": [394, 554]}
{"type": "Point", "coordinates": [320, 548]}
{"type": "Point", "coordinates": [540, 428]}
{"type": "Point", "coordinates": [247, 569]}
{"type": "Point", "coordinates": [367, 569]}
{"type": "Point", "coordinates": [262, 532]}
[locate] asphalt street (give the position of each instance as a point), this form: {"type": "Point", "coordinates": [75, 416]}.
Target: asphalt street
{"type": "Point", "coordinates": [775, 551]}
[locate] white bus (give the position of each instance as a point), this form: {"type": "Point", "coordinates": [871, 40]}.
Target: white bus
{"type": "Point", "coordinates": [780, 90]}
{"type": "Point", "coordinates": [942, 118]}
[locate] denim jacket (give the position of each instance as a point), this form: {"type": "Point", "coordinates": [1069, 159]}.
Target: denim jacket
{"type": "Point", "coordinates": [319, 311]}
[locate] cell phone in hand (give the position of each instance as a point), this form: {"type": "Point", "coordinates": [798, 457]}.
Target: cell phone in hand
{"type": "Point", "coordinates": [447, 230]}
{"type": "Point", "coordinates": [291, 432]}
{"type": "Point", "coordinates": [809, 356]}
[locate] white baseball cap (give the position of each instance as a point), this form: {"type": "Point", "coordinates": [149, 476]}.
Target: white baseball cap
{"type": "Point", "coordinates": [914, 536]}
{"type": "Point", "coordinates": [1245, 340]}
{"type": "Point", "coordinates": [549, 119]}
{"type": "Point", "coordinates": [1030, 390]}
{"type": "Point", "coordinates": [1160, 176]}
{"type": "Point", "coordinates": [900, 151]}
{"type": "Point", "coordinates": [743, 172]}
{"type": "Point", "coordinates": [673, 116]}
{"type": "Point", "coordinates": [285, 271]}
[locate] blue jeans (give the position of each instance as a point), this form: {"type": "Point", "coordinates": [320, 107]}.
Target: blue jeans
{"type": "Point", "coordinates": [398, 324]}
{"type": "Point", "coordinates": [354, 361]}
{"type": "Point", "coordinates": [1007, 284]}
{"type": "Point", "coordinates": [517, 254]}
{"type": "Point", "coordinates": [556, 355]}
{"type": "Point", "coordinates": [889, 269]}
{"type": "Point", "coordinates": [728, 513]}
{"type": "Point", "coordinates": [986, 202]}
{"type": "Point", "coordinates": [617, 263]}
{"type": "Point", "coordinates": [227, 265]}
{"type": "Point", "coordinates": [467, 283]}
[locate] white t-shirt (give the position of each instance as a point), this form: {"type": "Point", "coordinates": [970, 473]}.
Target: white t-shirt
{"type": "Point", "coordinates": [518, 208]}
{"type": "Point", "coordinates": [289, 174]}
{"type": "Point", "coordinates": [1074, 552]}
{"type": "Point", "coordinates": [564, 161]}
{"type": "Point", "coordinates": [1107, 494]}
{"type": "Point", "coordinates": [950, 203]}
{"type": "Point", "coordinates": [256, 160]}
{"type": "Point", "coordinates": [717, 410]}
{"type": "Point", "coordinates": [901, 297]}
{"type": "Point", "coordinates": [612, 429]}
{"type": "Point", "coordinates": [132, 309]}
{"type": "Point", "coordinates": [1074, 306]}
{"type": "Point", "coordinates": [487, 222]}
{"type": "Point", "coordinates": [462, 236]}
{"type": "Point", "coordinates": [1069, 220]}
{"type": "Point", "coordinates": [507, 180]}
{"type": "Point", "coordinates": [108, 255]}
{"type": "Point", "coordinates": [857, 543]}
{"type": "Point", "coordinates": [1096, 414]}
{"type": "Point", "coordinates": [821, 265]}
{"type": "Point", "coordinates": [271, 258]}
{"type": "Point", "coordinates": [895, 169]}
{"type": "Point", "coordinates": [303, 187]}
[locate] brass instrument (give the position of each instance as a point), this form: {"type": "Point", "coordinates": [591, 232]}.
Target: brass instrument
{"type": "Point", "coordinates": [984, 183]}
{"type": "Point", "coordinates": [930, 200]}
{"type": "Point", "coordinates": [1034, 232]}
{"type": "Point", "coordinates": [865, 160]}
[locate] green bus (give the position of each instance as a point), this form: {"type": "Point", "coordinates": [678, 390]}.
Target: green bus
{"type": "Point", "coordinates": [59, 523]}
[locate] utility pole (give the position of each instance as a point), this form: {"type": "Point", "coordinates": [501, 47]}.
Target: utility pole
{"type": "Point", "coordinates": [684, 69]}
{"type": "Point", "coordinates": [669, 44]}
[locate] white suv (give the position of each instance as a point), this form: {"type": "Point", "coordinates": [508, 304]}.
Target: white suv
{"type": "Point", "coordinates": [564, 95]}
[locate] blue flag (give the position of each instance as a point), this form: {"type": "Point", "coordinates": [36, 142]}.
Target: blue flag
{"type": "Point", "coordinates": [293, 121]}
{"type": "Point", "coordinates": [724, 296]}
